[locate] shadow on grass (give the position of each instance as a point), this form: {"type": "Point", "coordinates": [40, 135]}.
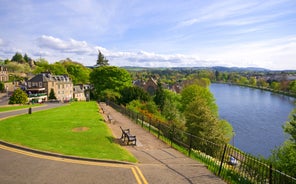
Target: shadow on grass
{"type": "Point", "coordinates": [117, 141]}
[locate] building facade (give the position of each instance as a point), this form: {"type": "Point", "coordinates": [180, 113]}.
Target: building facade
{"type": "Point", "coordinates": [79, 93]}
{"type": "Point", "coordinates": [3, 74]}
{"type": "Point", "coordinates": [39, 87]}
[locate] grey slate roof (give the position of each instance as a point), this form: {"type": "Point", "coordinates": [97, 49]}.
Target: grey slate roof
{"type": "Point", "coordinates": [48, 77]}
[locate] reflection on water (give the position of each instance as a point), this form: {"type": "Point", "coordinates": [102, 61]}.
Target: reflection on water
{"type": "Point", "coordinates": [257, 116]}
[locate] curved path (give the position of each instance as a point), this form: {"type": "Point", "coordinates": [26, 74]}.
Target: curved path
{"type": "Point", "coordinates": [158, 163]}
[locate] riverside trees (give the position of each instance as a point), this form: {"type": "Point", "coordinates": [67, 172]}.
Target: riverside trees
{"type": "Point", "coordinates": [201, 113]}
{"type": "Point", "coordinates": [284, 157]}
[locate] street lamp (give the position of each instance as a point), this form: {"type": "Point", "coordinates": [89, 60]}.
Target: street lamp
{"type": "Point", "coordinates": [233, 134]}
{"type": "Point", "coordinates": [7, 91]}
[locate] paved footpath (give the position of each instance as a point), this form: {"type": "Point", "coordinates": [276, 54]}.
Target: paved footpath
{"type": "Point", "coordinates": [158, 161]}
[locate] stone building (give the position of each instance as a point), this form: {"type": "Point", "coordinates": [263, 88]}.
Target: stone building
{"type": "Point", "coordinates": [3, 74]}
{"type": "Point", "coordinates": [39, 87]}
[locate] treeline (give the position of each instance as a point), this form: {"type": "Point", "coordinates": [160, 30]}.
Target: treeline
{"type": "Point", "coordinates": [277, 81]}
{"type": "Point", "coordinates": [22, 67]}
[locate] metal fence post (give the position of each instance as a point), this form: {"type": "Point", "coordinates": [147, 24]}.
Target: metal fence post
{"type": "Point", "coordinates": [158, 127]}
{"type": "Point", "coordinates": [150, 120]}
{"type": "Point", "coordinates": [172, 135]}
{"type": "Point", "coordinates": [137, 118]}
{"type": "Point", "coordinates": [190, 144]}
{"type": "Point", "coordinates": [222, 160]}
{"type": "Point", "coordinates": [142, 120]}
{"type": "Point", "coordinates": [270, 174]}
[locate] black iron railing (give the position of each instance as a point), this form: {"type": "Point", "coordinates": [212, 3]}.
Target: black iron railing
{"type": "Point", "coordinates": [226, 161]}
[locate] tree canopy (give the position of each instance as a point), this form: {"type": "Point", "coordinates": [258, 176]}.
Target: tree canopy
{"type": "Point", "coordinates": [191, 92]}
{"type": "Point", "coordinates": [102, 61]}
{"type": "Point", "coordinates": [18, 97]}
{"type": "Point", "coordinates": [109, 78]}
{"type": "Point", "coordinates": [284, 157]}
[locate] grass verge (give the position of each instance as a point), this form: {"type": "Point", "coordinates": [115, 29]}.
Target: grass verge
{"type": "Point", "coordinates": [57, 130]}
{"type": "Point", "coordinates": [16, 107]}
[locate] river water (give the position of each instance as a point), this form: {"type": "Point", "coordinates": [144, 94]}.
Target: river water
{"type": "Point", "coordinates": [256, 116]}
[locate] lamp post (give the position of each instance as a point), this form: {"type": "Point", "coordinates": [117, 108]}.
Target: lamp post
{"type": "Point", "coordinates": [7, 91]}
{"type": "Point", "coordinates": [233, 134]}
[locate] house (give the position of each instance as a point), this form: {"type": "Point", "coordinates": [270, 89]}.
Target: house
{"type": "Point", "coordinates": [150, 86]}
{"type": "Point", "coordinates": [3, 74]}
{"type": "Point", "coordinates": [39, 87]}
{"type": "Point", "coordinates": [78, 93]}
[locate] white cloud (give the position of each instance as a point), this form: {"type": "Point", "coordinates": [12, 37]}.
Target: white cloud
{"type": "Point", "coordinates": [68, 46]}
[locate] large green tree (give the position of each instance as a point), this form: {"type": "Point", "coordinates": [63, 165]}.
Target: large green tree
{"type": "Point", "coordinates": [201, 122]}
{"type": "Point", "coordinates": [109, 78]}
{"type": "Point", "coordinates": [190, 93]}
{"type": "Point", "coordinates": [18, 97]}
{"type": "Point", "coordinates": [284, 157]}
{"type": "Point", "coordinates": [78, 73]}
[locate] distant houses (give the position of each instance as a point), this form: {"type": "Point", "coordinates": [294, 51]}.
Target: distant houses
{"type": "Point", "coordinates": [151, 86]}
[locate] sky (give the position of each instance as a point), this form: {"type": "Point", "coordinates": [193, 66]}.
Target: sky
{"type": "Point", "coordinates": [154, 33]}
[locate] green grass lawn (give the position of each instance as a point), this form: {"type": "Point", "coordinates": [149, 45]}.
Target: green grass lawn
{"type": "Point", "coordinates": [52, 130]}
{"type": "Point", "coordinates": [16, 107]}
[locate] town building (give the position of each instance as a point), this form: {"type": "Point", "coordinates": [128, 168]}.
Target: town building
{"type": "Point", "coordinates": [3, 74]}
{"type": "Point", "coordinates": [150, 86]}
{"type": "Point", "coordinates": [80, 92]}
{"type": "Point", "coordinates": [39, 87]}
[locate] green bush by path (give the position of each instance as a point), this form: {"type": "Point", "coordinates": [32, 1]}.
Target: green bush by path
{"type": "Point", "coordinates": [54, 130]}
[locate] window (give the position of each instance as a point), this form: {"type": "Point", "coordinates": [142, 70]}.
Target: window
{"type": "Point", "coordinates": [40, 84]}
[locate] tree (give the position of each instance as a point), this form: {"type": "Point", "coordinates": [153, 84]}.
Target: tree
{"type": "Point", "coordinates": [78, 73]}
{"type": "Point", "coordinates": [109, 78]}
{"type": "Point", "coordinates": [102, 61]}
{"type": "Point", "coordinates": [292, 86]}
{"type": "Point", "coordinates": [201, 122]}
{"type": "Point", "coordinates": [284, 157]}
{"type": "Point", "coordinates": [18, 97]}
{"type": "Point", "coordinates": [171, 109]}
{"type": "Point", "coordinates": [27, 59]}
{"type": "Point", "coordinates": [2, 86]}
{"type": "Point", "coordinates": [190, 93]}
{"type": "Point", "coordinates": [52, 95]}
{"type": "Point", "coordinates": [18, 57]}
{"type": "Point", "coordinates": [131, 93]}
{"type": "Point", "coordinates": [159, 97]}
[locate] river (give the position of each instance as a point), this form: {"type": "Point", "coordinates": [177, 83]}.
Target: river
{"type": "Point", "coordinates": [256, 116]}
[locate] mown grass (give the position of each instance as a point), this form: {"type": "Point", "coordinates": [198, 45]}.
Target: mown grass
{"type": "Point", "coordinates": [16, 107]}
{"type": "Point", "coordinates": [52, 130]}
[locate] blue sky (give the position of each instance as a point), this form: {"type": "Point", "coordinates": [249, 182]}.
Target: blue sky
{"type": "Point", "coordinates": [155, 33]}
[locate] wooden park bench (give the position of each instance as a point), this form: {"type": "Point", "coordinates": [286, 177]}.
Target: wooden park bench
{"type": "Point", "coordinates": [126, 135]}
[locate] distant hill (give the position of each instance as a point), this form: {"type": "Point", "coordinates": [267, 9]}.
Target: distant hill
{"type": "Point", "coordinates": [239, 69]}
{"type": "Point", "coordinates": [216, 68]}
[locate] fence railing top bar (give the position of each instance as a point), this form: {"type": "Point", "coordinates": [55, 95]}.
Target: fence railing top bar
{"type": "Point", "coordinates": [245, 158]}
